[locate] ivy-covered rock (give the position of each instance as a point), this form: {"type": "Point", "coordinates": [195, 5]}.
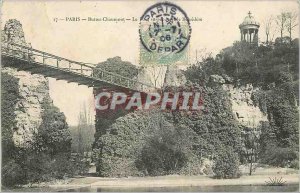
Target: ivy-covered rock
{"type": "Point", "coordinates": [159, 142]}
{"type": "Point", "coordinates": [9, 97]}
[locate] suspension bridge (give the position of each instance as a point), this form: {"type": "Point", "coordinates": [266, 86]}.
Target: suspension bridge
{"type": "Point", "coordinates": [25, 58]}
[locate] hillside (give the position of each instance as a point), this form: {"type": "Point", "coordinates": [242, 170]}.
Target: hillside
{"type": "Point", "coordinates": [250, 115]}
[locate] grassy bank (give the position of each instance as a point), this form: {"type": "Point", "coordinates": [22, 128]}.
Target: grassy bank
{"type": "Point", "coordinates": [260, 176]}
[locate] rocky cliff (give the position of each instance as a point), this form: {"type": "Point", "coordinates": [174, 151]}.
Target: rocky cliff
{"type": "Point", "coordinates": [243, 107]}
{"type": "Point", "coordinates": [32, 89]}
{"type": "Point", "coordinates": [162, 76]}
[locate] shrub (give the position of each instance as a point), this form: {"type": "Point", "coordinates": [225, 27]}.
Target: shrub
{"type": "Point", "coordinates": [197, 166]}
{"type": "Point", "coordinates": [118, 167]}
{"type": "Point", "coordinates": [79, 165]}
{"type": "Point", "coordinates": [37, 167]}
{"type": "Point", "coordinates": [62, 167]}
{"type": "Point", "coordinates": [12, 173]}
{"type": "Point", "coordinates": [295, 164]}
{"type": "Point", "coordinates": [165, 151]}
{"type": "Point", "coordinates": [160, 158]}
{"type": "Point", "coordinates": [275, 181]}
{"type": "Point", "coordinates": [48, 155]}
{"type": "Point", "coordinates": [226, 164]}
{"type": "Point", "coordinates": [40, 167]}
{"type": "Point", "coordinates": [279, 157]}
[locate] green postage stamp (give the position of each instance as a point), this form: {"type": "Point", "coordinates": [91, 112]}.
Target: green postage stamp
{"type": "Point", "coordinates": [165, 33]}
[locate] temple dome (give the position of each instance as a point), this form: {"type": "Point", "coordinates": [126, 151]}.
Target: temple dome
{"type": "Point", "coordinates": [249, 20]}
{"type": "Point", "coordinates": [249, 29]}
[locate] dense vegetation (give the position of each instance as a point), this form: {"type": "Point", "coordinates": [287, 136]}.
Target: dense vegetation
{"type": "Point", "coordinates": [83, 133]}
{"type": "Point", "coordinates": [116, 65]}
{"type": "Point", "coordinates": [157, 142]}
{"type": "Point", "coordinates": [9, 97]}
{"type": "Point", "coordinates": [274, 69]}
{"type": "Point", "coordinates": [261, 66]}
{"type": "Point", "coordinates": [82, 138]}
{"type": "Point", "coordinates": [160, 143]}
{"type": "Point", "coordinates": [47, 156]}
{"type": "Point", "coordinates": [107, 118]}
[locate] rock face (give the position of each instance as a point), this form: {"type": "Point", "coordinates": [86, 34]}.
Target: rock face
{"type": "Point", "coordinates": [32, 89]}
{"type": "Point", "coordinates": [242, 105]}
{"type": "Point", "coordinates": [174, 77]}
{"type": "Point", "coordinates": [13, 32]}
{"type": "Point", "coordinates": [161, 76]}
{"type": "Point", "coordinates": [152, 75]}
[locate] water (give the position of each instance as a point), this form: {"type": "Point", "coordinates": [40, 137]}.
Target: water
{"type": "Point", "coordinates": [236, 188]}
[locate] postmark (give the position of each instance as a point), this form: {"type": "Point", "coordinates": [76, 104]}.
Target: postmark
{"type": "Point", "coordinates": [165, 33]}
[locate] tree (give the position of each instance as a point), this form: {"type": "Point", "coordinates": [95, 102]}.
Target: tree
{"type": "Point", "coordinates": [202, 54]}
{"type": "Point", "coordinates": [250, 141]}
{"type": "Point", "coordinates": [156, 74]}
{"type": "Point", "coordinates": [292, 22]}
{"type": "Point", "coordinates": [53, 136]}
{"type": "Point", "coordinates": [165, 150]}
{"type": "Point", "coordinates": [116, 66]}
{"type": "Point", "coordinates": [270, 28]}
{"type": "Point", "coordinates": [280, 140]}
{"type": "Point", "coordinates": [226, 164]}
{"type": "Point", "coordinates": [238, 58]}
{"type": "Point", "coordinates": [84, 128]}
{"type": "Point", "coordinates": [281, 21]}
{"type": "Point", "coordinates": [201, 71]}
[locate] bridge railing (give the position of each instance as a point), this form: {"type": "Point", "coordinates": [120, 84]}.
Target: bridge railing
{"type": "Point", "coordinates": [43, 58]}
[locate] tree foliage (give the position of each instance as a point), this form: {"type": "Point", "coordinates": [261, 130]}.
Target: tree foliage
{"type": "Point", "coordinates": [9, 98]}
{"type": "Point", "coordinates": [160, 143]}
{"type": "Point", "coordinates": [260, 65]}
{"type": "Point", "coordinates": [48, 156]}
{"type": "Point", "coordinates": [274, 69]}
{"type": "Point", "coordinates": [53, 135]}
{"type": "Point", "coordinates": [280, 141]}
{"type": "Point", "coordinates": [226, 164]}
{"type": "Point", "coordinates": [116, 65]}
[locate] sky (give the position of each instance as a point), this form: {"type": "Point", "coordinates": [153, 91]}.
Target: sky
{"type": "Point", "coordinates": [94, 42]}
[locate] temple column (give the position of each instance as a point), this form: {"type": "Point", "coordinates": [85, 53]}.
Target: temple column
{"type": "Point", "coordinates": [242, 34]}
{"type": "Point", "coordinates": [248, 36]}
{"type": "Point", "coordinates": [256, 34]}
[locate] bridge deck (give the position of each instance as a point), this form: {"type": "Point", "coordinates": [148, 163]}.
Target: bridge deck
{"type": "Point", "coordinates": [38, 62]}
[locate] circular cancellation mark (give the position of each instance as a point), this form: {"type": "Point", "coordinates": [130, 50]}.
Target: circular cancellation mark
{"type": "Point", "coordinates": [164, 28]}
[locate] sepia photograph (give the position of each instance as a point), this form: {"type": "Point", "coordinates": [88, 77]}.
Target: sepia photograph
{"type": "Point", "coordinates": [150, 96]}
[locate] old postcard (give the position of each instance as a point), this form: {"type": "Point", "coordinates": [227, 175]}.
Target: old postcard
{"type": "Point", "coordinates": [150, 96]}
